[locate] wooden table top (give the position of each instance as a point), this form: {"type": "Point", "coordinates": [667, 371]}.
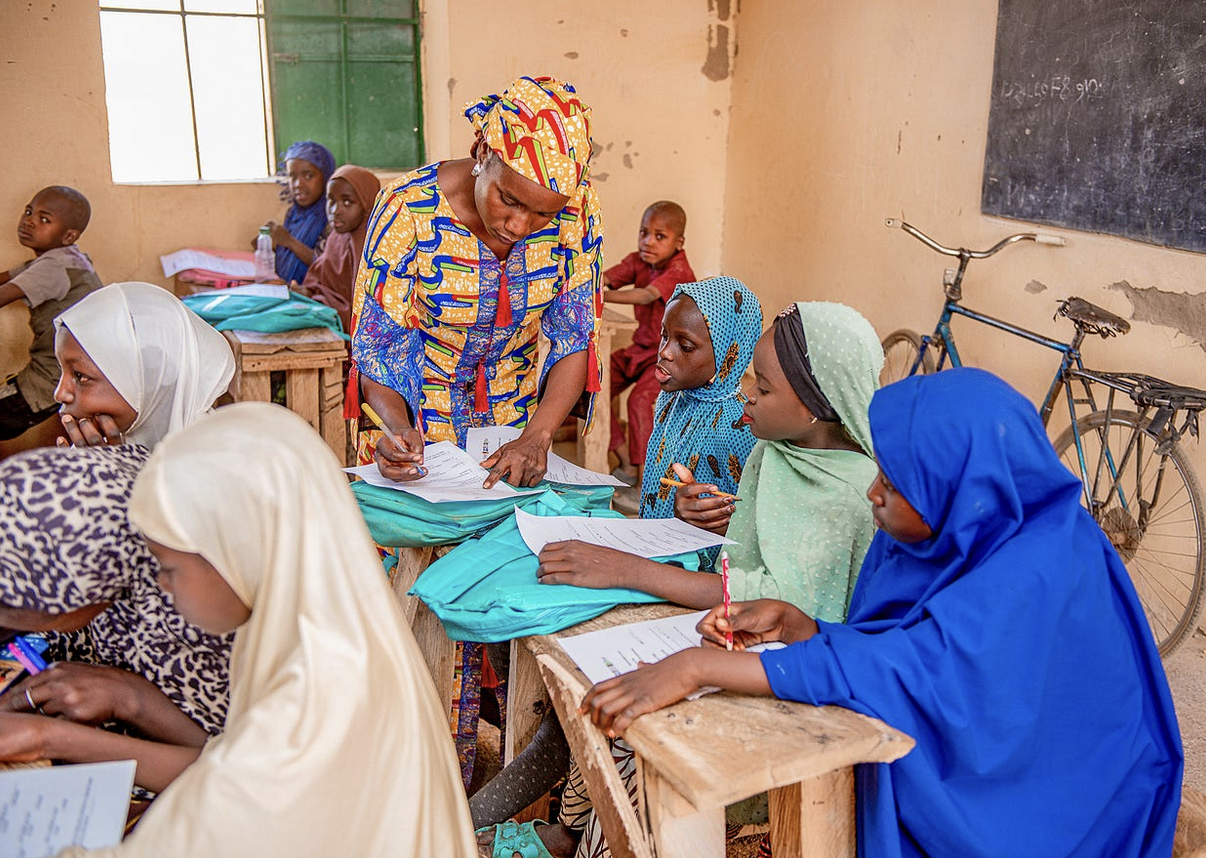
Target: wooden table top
{"type": "Point", "coordinates": [725, 747]}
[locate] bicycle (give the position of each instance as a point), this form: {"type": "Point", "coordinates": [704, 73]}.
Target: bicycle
{"type": "Point", "coordinates": [1138, 482]}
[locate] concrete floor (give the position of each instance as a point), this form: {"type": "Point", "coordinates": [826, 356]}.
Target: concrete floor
{"type": "Point", "coordinates": [1186, 670]}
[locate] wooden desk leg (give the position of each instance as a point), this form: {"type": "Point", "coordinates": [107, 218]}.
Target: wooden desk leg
{"type": "Point", "coordinates": [255, 387]}
{"type": "Point", "coordinates": [677, 829]}
{"type": "Point", "coordinates": [330, 410]}
{"type": "Point", "coordinates": [438, 651]}
{"type": "Point", "coordinates": [527, 701]}
{"type": "Point", "coordinates": [814, 818]}
{"type": "Point", "coordinates": [591, 751]}
{"type": "Point", "coordinates": [592, 448]}
{"type": "Point", "coordinates": [301, 395]}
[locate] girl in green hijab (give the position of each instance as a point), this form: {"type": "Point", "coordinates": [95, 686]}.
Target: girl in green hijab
{"type": "Point", "coordinates": [804, 522]}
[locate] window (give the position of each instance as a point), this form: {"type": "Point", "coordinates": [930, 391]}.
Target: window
{"type": "Point", "coordinates": [212, 89]}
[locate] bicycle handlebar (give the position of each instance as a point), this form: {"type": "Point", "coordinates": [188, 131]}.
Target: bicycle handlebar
{"type": "Point", "coordinates": [963, 252]}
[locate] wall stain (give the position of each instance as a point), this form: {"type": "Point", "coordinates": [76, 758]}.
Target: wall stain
{"type": "Point", "coordinates": [716, 65]}
{"type": "Point", "coordinates": [627, 160]}
{"type": "Point", "coordinates": [451, 85]}
{"type": "Point", "coordinates": [599, 177]}
{"type": "Point", "coordinates": [571, 55]}
{"type": "Point", "coordinates": [1034, 287]}
{"type": "Point", "coordinates": [1184, 313]}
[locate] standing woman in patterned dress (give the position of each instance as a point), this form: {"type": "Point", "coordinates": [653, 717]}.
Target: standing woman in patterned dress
{"type": "Point", "coordinates": [466, 262]}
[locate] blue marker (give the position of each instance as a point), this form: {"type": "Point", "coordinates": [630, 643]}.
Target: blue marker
{"type": "Point", "coordinates": [27, 655]}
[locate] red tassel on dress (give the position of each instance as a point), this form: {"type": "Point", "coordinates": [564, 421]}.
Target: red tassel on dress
{"type": "Point", "coordinates": [592, 367]}
{"type": "Point", "coordinates": [481, 402]}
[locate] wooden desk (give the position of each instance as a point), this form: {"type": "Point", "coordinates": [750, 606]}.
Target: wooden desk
{"type": "Point", "coordinates": [592, 448]}
{"type": "Point", "coordinates": [438, 650]}
{"type": "Point", "coordinates": [312, 361]}
{"type": "Point", "coordinates": [696, 757]}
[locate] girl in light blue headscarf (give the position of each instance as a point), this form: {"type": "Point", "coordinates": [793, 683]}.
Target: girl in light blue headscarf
{"type": "Point", "coordinates": [701, 427]}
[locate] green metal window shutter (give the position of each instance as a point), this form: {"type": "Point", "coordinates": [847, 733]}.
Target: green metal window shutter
{"type": "Point", "coordinates": [346, 74]}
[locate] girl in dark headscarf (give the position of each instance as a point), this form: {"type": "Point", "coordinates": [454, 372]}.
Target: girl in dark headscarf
{"type": "Point", "coordinates": [350, 196]}
{"type": "Point", "coordinates": [306, 167]}
{"type": "Point", "coordinates": [994, 623]}
{"type": "Point", "coordinates": [71, 562]}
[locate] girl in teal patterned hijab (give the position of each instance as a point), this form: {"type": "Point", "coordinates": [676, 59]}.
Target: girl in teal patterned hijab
{"type": "Point", "coordinates": [804, 523]}
{"type": "Point", "coordinates": [700, 426]}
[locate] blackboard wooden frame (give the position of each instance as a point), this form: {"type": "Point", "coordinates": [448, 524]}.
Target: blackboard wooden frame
{"type": "Point", "coordinates": [1098, 118]}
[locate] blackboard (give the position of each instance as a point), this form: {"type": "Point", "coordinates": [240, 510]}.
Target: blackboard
{"type": "Point", "coordinates": [1098, 118]}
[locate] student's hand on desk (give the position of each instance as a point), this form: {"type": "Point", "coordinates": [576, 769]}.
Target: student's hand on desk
{"type": "Point", "coordinates": [521, 463]}
{"type": "Point", "coordinates": [84, 693]}
{"type": "Point", "coordinates": [759, 621]}
{"type": "Point", "coordinates": [710, 513]}
{"type": "Point", "coordinates": [99, 430]}
{"type": "Point", "coordinates": [400, 457]}
{"type": "Point", "coordinates": [615, 703]}
{"type": "Point", "coordinates": [582, 564]}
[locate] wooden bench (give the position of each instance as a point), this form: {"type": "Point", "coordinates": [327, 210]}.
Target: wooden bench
{"type": "Point", "coordinates": [312, 361]}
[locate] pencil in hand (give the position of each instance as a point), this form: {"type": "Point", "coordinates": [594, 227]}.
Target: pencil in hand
{"type": "Point", "coordinates": [728, 599]}
{"type": "Point", "coordinates": [666, 481]}
{"type": "Point", "coordinates": [380, 424]}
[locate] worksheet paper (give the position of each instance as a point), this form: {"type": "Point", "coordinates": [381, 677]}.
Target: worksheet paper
{"type": "Point", "coordinates": [647, 537]}
{"type": "Point", "coordinates": [621, 649]}
{"type": "Point", "coordinates": [183, 260]}
{"type": "Point", "coordinates": [43, 811]}
{"type": "Point", "coordinates": [452, 475]}
{"type": "Point", "coordinates": [482, 441]}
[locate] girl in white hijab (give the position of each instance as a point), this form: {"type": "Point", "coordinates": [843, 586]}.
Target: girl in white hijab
{"type": "Point", "coordinates": [335, 742]}
{"type": "Point", "coordinates": [138, 341]}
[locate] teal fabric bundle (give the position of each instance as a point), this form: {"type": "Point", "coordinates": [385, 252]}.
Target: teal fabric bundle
{"type": "Point", "coordinates": [266, 315]}
{"type": "Point", "coordinates": [401, 520]}
{"type": "Point", "coordinates": [486, 590]}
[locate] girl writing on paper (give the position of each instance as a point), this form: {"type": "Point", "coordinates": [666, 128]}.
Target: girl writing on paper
{"type": "Point", "coordinates": [993, 622]}
{"type": "Point", "coordinates": [257, 533]}
{"type": "Point", "coordinates": [137, 365]}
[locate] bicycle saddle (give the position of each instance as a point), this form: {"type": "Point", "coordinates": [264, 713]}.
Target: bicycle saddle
{"type": "Point", "coordinates": [1092, 319]}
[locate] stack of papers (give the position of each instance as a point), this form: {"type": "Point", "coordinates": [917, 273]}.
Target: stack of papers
{"type": "Point", "coordinates": [621, 649]}
{"type": "Point", "coordinates": [484, 441]}
{"type": "Point", "coordinates": [648, 537]}
{"type": "Point", "coordinates": [183, 260]}
{"type": "Point", "coordinates": [43, 811]}
{"type": "Point", "coordinates": [452, 475]}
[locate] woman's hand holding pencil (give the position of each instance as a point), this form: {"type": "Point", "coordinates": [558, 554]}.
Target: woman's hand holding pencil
{"type": "Point", "coordinates": [701, 504]}
{"type": "Point", "coordinates": [398, 454]}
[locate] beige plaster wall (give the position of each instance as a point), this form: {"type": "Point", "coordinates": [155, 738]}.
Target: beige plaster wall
{"type": "Point", "coordinates": [52, 97]}
{"type": "Point", "coordinates": [846, 112]}
{"type": "Point", "coordinates": [655, 75]}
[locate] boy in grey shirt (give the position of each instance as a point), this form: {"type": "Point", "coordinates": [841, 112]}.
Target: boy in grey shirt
{"type": "Point", "coordinates": [59, 275]}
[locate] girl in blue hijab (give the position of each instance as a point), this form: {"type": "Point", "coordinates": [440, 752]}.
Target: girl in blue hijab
{"type": "Point", "coordinates": [994, 623]}
{"type": "Point", "coordinates": [697, 420]}
{"type": "Point", "coordinates": [306, 167]}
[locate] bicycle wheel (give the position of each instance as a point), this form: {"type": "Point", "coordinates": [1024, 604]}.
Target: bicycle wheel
{"type": "Point", "coordinates": [900, 355]}
{"type": "Point", "coordinates": [1159, 530]}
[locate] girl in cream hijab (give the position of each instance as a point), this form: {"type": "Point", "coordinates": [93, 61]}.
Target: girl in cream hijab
{"type": "Point", "coordinates": [137, 365]}
{"type": "Point", "coordinates": [335, 742]}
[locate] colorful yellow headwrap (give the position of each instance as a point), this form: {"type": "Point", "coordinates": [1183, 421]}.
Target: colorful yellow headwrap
{"type": "Point", "coordinates": [541, 130]}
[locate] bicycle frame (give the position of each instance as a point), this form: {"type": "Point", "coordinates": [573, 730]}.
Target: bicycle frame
{"type": "Point", "coordinates": [1070, 366]}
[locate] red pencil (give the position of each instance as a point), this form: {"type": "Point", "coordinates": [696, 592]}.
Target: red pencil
{"type": "Point", "coordinates": [728, 599]}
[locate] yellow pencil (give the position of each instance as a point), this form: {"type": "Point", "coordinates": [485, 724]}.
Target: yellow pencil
{"type": "Point", "coordinates": [380, 424]}
{"type": "Point", "coordinates": [666, 481]}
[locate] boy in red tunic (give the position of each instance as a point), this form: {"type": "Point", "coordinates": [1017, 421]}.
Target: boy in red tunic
{"type": "Point", "coordinates": [658, 265]}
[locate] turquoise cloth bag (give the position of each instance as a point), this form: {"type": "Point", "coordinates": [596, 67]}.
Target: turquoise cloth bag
{"type": "Point", "coordinates": [266, 315]}
{"type": "Point", "coordinates": [400, 520]}
{"type": "Point", "coordinates": [486, 590]}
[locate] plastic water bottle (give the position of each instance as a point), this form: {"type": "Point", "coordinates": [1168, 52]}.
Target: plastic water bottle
{"type": "Point", "coordinates": [265, 257]}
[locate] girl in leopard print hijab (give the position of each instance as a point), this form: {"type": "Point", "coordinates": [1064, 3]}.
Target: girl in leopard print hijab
{"type": "Point", "coordinates": [69, 560]}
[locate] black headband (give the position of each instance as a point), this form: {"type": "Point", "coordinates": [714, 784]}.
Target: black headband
{"type": "Point", "coordinates": [792, 350]}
